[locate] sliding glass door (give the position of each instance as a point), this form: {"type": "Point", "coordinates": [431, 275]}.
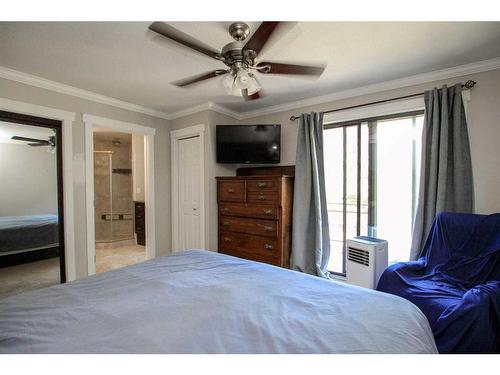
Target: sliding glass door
{"type": "Point", "coordinates": [371, 182]}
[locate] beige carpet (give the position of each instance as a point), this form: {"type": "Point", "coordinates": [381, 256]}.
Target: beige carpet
{"type": "Point", "coordinates": [24, 277]}
{"type": "Point", "coordinates": [110, 259]}
{"type": "Point", "coordinates": [30, 276]}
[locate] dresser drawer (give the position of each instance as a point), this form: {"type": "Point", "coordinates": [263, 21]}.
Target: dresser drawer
{"type": "Point", "coordinates": [231, 191]}
{"type": "Point", "coordinates": [263, 185]}
{"type": "Point", "coordinates": [254, 211]}
{"type": "Point", "coordinates": [275, 261]}
{"type": "Point", "coordinates": [268, 228]}
{"type": "Point", "coordinates": [247, 244]}
{"type": "Point", "coordinates": [263, 197]}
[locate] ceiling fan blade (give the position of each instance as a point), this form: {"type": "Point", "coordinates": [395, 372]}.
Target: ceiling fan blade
{"type": "Point", "coordinates": [261, 36]}
{"type": "Point", "coordinates": [178, 36]}
{"type": "Point", "coordinates": [254, 96]}
{"type": "Point", "coordinates": [278, 68]}
{"type": "Point", "coordinates": [38, 144]}
{"type": "Point", "coordinates": [198, 78]}
{"type": "Point", "coordinates": [25, 139]}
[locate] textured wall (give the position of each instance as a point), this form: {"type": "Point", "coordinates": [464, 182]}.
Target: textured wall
{"type": "Point", "coordinates": [28, 178]}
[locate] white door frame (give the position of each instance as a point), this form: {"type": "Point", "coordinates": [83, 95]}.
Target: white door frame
{"type": "Point", "coordinates": [90, 123]}
{"type": "Point", "coordinates": [66, 119]}
{"type": "Point", "coordinates": [175, 137]}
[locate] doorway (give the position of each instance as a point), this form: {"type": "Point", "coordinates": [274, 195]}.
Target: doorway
{"type": "Point", "coordinates": [119, 159]}
{"type": "Point", "coordinates": [119, 222]}
{"type": "Point", "coordinates": [32, 243]}
{"type": "Point", "coordinates": [188, 188]}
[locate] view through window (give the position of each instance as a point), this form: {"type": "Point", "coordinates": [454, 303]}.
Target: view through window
{"type": "Point", "coordinates": [371, 173]}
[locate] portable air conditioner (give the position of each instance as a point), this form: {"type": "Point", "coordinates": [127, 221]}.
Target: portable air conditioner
{"type": "Point", "coordinates": [366, 260]}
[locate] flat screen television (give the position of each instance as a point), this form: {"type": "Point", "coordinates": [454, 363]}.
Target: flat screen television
{"type": "Point", "coordinates": [248, 144]}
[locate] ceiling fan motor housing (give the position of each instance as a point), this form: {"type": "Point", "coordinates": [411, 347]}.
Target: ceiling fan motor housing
{"type": "Point", "coordinates": [234, 53]}
{"type": "Point", "coordinates": [239, 31]}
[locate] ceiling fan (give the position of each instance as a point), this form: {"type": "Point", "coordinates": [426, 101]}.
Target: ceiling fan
{"type": "Point", "coordinates": [34, 142]}
{"type": "Point", "coordinates": [240, 57]}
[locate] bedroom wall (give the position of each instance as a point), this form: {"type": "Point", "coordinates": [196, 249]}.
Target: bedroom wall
{"type": "Point", "coordinates": [34, 95]}
{"type": "Point", "coordinates": [25, 171]}
{"type": "Point", "coordinates": [483, 125]}
{"type": "Point", "coordinates": [484, 133]}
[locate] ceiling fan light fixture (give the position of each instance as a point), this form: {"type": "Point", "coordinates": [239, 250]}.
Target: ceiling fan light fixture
{"type": "Point", "coordinates": [242, 80]}
{"type": "Point", "coordinates": [253, 85]}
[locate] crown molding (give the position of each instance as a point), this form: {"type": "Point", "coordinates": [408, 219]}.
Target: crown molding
{"type": "Point", "coordinates": [461, 70]}
{"type": "Point", "coordinates": [207, 106]}
{"type": "Point", "coordinates": [47, 84]}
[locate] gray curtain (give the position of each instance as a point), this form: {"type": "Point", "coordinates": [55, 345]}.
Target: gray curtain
{"type": "Point", "coordinates": [446, 171]}
{"type": "Point", "coordinates": [310, 235]}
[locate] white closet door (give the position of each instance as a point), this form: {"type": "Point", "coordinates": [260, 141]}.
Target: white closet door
{"type": "Point", "coordinates": [190, 184]}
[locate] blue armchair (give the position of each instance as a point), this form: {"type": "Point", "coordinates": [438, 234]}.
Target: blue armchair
{"type": "Point", "coordinates": [456, 282]}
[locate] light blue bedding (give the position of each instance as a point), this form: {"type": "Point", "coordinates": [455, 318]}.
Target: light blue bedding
{"type": "Point", "coordinates": [203, 302]}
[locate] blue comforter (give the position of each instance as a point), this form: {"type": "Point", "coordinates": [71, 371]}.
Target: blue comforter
{"type": "Point", "coordinates": [456, 283]}
{"type": "Point", "coordinates": [23, 233]}
{"type": "Point", "coordinates": [203, 302]}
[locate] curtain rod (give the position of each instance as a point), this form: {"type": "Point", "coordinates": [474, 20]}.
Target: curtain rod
{"type": "Point", "coordinates": [467, 85]}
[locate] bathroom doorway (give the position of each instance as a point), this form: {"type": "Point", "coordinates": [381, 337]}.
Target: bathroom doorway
{"type": "Point", "coordinates": [122, 211]}
{"type": "Point", "coordinates": [119, 165]}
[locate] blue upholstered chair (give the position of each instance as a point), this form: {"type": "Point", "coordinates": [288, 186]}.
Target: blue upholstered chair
{"type": "Point", "coordinates": [456, 282]}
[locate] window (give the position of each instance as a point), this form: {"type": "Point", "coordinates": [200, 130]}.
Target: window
{"type": "Point", "coordinates": [371, 173]}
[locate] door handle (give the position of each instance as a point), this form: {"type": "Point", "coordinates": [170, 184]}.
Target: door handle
{"type": "Point", "coordinates": [261, 197]}
{"type": "Point", "coordinates": [268, 246]}
{"type": "Point", "coordinates": [226, 223]}
{"type": "Point", "coordinates": [268, 211]}
{"type": "Point", "coordinates": [230, 190]}
{"type": "Point", "coordinates": [268, 228]}
{"type": "Point", "coordinates": [225, 210]}
{"type": "Point", "coordinates": [261, 184]}
{"type": "Point", "coordinates": [227, 239]}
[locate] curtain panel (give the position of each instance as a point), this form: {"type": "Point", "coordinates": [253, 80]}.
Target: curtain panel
{"type": "Point", "coordinates": [446, 171]}
{"type": "Point", "coordinates": [310, 231]}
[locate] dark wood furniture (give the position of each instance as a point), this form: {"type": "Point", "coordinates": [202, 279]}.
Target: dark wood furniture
{"type": "Point", "coordinates": [255, 215]}
{"type": "Point", "coordinates": [140, 222]}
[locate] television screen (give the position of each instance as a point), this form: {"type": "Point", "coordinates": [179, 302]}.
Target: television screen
{"type": "Point", "coordinates": [251, 144]}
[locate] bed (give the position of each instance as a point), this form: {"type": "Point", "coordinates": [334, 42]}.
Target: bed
{"type": "Point", "coordinates": [203, 302]}
{"type": "Point", "coordinates": [20, 235]}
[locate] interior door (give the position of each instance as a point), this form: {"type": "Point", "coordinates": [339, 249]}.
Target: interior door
{"type": "Point", "coordinates": [190, 188]}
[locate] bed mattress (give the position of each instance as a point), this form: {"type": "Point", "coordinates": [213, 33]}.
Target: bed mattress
{"type": "Point", "coordinates": [203, 302]}
{"type": "Point", "coordinates": [25, 233]}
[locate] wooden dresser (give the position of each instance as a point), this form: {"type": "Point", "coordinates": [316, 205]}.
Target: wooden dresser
{"type": "Point", "coordinates": [255, 215]}
{"type": "Point", "coordinates": [140, 222]}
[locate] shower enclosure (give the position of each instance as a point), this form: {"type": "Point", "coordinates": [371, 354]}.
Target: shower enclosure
{"type": "Point", "coordinates": [112, 198]}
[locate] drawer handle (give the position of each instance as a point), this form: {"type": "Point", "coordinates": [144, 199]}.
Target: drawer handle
{"type": "Point", "coordinates": [261, 197]}
{"type": "Point", "coordinates": [227, 239]}
{"type": "Point", "coordinates": [268, 228]}
{"type": "Point", "coordinates": [225, 210]}
{"type": "Point", "coordinates": [230, 190]}
{"type": "Point", "coordinates": [262, 184]}
{"type": "Point", "coordinates": [226, 223]}
{"type": "Point", "coordinates": [268, 211]}
{"type": "Point", "coordinates": [268, 246]}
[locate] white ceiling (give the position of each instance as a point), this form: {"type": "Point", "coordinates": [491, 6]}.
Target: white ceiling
{"type": "Point", "coordinates": [8, 130]}
{"type": "Point", "coordinates": [124, 60]}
